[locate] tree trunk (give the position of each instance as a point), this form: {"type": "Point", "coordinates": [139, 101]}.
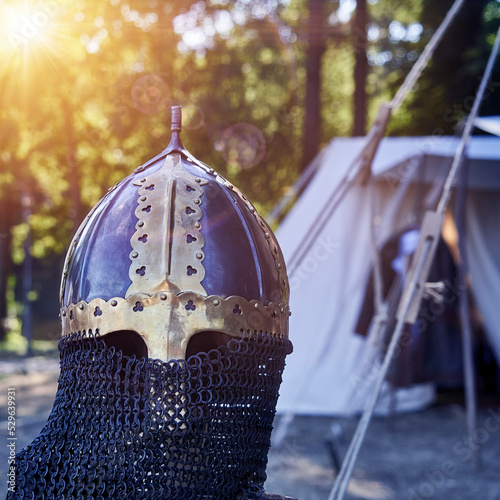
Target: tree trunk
{"type": "Point", "coordinates": [5, 259]}
{"type": "Point", "coordinates": [314, 53]}
{"type": "Point", "coordinates": [360, 69]}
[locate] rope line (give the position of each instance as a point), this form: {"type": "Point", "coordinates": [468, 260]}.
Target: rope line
{"type": "Point", "coordinates": [427, 53]}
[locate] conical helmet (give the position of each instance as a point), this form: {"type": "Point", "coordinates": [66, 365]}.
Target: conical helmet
{"type": "Point", "coordinates": [173, 253]}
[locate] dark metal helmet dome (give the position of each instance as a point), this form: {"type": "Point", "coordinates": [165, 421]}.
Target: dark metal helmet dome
{"type": "Point", "coordinates": [171, 251]}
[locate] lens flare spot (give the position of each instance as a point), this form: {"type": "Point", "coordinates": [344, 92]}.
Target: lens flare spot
{"type": "Point", "coordinates": [244, 145]}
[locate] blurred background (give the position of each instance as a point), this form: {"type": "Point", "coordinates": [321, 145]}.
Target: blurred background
{"type": "Point", "coordinates": [87, 87]}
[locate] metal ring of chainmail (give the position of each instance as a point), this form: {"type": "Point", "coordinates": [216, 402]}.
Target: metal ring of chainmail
{"type": "Point", "coordinates": [128, 428]}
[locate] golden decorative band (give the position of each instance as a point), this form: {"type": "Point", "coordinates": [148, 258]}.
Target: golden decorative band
{"type": "Point", "coordinates": [166, 321]}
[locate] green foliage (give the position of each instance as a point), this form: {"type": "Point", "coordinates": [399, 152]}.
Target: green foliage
{"type": "Point", "coordinates": [445, 92]}
{"type": "Point", "coordinates": [98, 84]}
{"type": "Point", "coordinates": [14, 343]}
{"type": "Point", "coordinates": [338, 88]}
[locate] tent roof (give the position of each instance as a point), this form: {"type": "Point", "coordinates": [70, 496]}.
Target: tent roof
{"type": "Point", "coordinates": [394, 153]}
{"type": "Point", "coordinates": [489, 124]}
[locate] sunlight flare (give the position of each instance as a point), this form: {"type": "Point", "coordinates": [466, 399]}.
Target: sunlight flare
{"type": "Point", "coordinates": [26, 24]}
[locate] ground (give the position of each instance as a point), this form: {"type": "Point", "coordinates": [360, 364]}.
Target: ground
{"type": "Point", "coordinates": [408, 457]}
{"type": "Point", "coordinates": [414, 456]}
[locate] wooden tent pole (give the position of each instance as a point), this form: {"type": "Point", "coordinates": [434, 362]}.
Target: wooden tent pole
{"type": "Point", "coordinates": [464, 314]}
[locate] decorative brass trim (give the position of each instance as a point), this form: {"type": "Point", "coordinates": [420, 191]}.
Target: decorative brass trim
{"type": "Point", "coordinates": [169, 209]}
{"type": "Point", "coordinates": [167, 321]}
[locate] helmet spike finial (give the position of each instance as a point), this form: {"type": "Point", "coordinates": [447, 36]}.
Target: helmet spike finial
{"type": "Point", "coordinates": [176, 119]}
{"type": "Point", "coordinates": [176, 127]}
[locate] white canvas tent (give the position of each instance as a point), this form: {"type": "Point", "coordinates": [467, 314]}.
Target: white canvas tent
{"type": "Point", "coordinates": [332, 368]}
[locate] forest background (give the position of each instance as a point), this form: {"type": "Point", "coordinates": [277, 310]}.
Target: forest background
{"type": "Point", "coordinates": [87, 85]}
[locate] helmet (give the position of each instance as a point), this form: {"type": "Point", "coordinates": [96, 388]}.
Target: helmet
{"type": "Point", "coordinates": [173, 253]}
{"type": "Point", "coordinates": [174, 308]}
